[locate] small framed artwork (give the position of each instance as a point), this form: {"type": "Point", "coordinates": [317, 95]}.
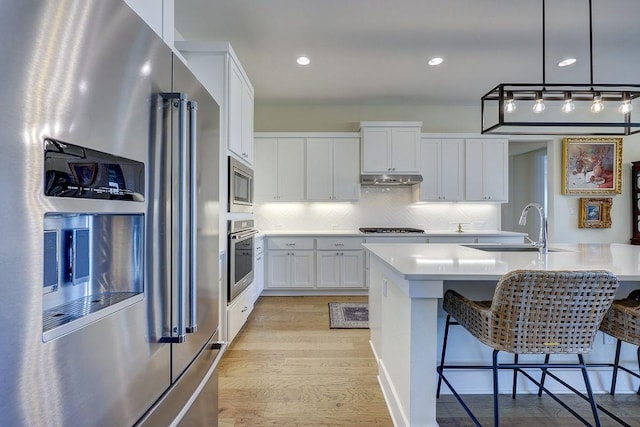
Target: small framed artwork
{"type": "Point", "coordinates": [592, 166]}
{"type": "Point", "coordinates": [595, 213]}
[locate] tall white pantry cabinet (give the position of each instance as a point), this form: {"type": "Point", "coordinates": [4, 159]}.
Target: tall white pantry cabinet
{"type": "Point", "coordinates": [218, 68]}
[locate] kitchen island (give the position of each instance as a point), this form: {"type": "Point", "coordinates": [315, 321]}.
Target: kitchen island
{"type": "Point", "coordinates": [408, 280]}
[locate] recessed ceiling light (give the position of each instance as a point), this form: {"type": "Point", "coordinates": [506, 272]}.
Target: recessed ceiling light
{"type": "Point", "coordinates": [303, 60]}
{"type": "Point", "coordinates": [436, 61]}
{"type": "Point", "coordinates": [567, 61]}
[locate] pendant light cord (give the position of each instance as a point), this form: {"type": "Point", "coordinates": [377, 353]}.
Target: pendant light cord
{"type": "Point", "coordinates": [544, 67]}
{"type": "Point", "coordinates": [591, 44]}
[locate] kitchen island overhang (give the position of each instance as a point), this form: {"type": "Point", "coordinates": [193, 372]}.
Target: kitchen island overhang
{"type": "Point", "coordinates": [406, 285]}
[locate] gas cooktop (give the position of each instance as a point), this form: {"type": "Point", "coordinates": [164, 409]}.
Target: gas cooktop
{"type": "Point", "coordinates": [389, 230]}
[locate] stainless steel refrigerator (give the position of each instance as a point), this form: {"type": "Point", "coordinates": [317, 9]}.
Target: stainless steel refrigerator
{"type": "Point", "coordinates": [109, 220]}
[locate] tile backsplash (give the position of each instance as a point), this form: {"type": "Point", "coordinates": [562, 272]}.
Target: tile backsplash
{"type": "Point", "coordinates": [377, 207]}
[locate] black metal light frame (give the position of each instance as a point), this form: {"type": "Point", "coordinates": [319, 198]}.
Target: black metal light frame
{"type": "Point", "coordinates": [554, 92]}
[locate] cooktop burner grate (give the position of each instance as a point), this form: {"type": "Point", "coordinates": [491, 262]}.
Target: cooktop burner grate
{"type": "Point", "coordinates": [389, 230]}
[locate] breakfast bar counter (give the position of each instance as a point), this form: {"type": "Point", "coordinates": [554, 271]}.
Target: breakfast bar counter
{"type": "Point", "coordinates": [407, 281]}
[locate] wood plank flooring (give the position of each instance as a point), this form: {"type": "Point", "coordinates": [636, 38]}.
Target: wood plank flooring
{"type": "Point", "coordinates": [287, 368]}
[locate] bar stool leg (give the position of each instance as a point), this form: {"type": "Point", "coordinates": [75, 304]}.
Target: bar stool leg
{"type": "Point", "coordinates": [544, 375]}
{"type": "Point", "coordinates": [444, 349]}
{"type": "Point", "coordinates": [616, 361]}
{"type": "Point", "coordinates": [638, 366]}
{"type": "Point", "coordinates": [515, 376]}
{"type": "Point", "coordinates": [592, 400]}
{"type": "Point", "coordinates": [496, 410]}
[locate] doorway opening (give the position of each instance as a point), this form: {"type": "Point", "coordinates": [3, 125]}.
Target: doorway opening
{"type": "Point", "coordinates": [528, 183]}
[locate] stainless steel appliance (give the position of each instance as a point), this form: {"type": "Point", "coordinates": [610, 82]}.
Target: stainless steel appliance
{"type": "Point", "coordinates": [401, 230]}
{"type": "Point", "coordinates": [240, 186]}
{"type": "Point", "coordinates": [241, 256]}
{"type": "Point", "coordinates": [110, 228]}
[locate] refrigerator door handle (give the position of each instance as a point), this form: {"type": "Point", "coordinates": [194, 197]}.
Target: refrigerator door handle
{"type": "Point", "coordinates": [192, 325]}
{"type": "Point", "coordinates": [180, 256]}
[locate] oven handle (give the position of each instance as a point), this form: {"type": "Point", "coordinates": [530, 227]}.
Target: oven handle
{"type": "Point", "coordinates": [243, 235]}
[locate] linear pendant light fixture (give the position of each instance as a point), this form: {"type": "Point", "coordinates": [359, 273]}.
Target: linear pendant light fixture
{"type": "Point", "coordinates": [561, 108]}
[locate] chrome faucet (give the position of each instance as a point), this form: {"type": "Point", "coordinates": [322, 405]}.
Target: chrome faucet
{"type": "Point", "coordinates": [541, 244]}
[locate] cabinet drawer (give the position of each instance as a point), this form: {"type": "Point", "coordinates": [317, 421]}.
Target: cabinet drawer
{"type": "Point", "coordinates": [339, 243]}
{"type": "Point", "coordinates": [290, 243]}
{"type": "Point", "coordinates": [238, 312]}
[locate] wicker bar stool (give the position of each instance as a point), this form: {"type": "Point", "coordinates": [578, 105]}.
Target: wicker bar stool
{"type": "Point", "coordinates": [622, 322]}
{"type": "Point", "coordinates": [533, 312]}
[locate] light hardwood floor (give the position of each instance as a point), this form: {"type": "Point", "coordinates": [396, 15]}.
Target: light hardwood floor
{"type": "Point", "coordinates": [287, 368]}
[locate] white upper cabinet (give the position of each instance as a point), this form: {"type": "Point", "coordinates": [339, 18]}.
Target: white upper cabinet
{"type": "Point", "coordinates": [487, 168]}
{"type": "Point", "coordinates": [279, 170]}
{"type": "Point", "coordinates": [216, 65]}
{"type": "Point", "coordinates": [442, 169]}
{"type": "Point", "coordinates": [332, 169]}
{"type": "Point", "coordinates": [390, 147]}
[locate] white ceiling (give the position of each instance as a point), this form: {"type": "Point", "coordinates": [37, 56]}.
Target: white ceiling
{"type": "Point", "coordinates": [375, 51]}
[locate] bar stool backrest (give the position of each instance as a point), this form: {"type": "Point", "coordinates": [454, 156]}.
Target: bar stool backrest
{"type": "Point", "coordinates": [550, 312]}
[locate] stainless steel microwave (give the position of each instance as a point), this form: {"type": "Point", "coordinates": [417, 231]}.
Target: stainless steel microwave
{"type": "Point", "coordinates": [240, 186]}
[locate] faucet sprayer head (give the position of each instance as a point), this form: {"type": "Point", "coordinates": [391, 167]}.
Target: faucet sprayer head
{"type": "Point", "coordinates": [523, 217]}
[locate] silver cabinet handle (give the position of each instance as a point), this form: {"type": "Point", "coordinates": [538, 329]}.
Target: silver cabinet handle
{"type": "Point", "coordinates": [245, 308]}
{"type": "Point", "coordinates": [290, 244]}
{"type": "Point", "coordinates": [339, 244]}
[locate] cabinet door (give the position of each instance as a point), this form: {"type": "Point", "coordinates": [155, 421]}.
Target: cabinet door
{"type": "Point", "coordinates": [486, 169]}
{"type": "Point", "coordinates": [375, 150]}
{"type": "Point", "coordinates": [247, 123]}
{"type": "Point", "coordinates": [495, 177]}
{"type": "Point", "coordinates": [319, 170]}
{"type": "Point", "coordinates": [346, 173]}
{"type": "Point", "coordinates": [302, 269]}
{"type": "Point", "coordinates": [430, 164]}
{"type": "Point", "coordinates": [278, 269]}
{"type": "Point", "coordinates": [452, 169]}
{"type": "Point", "coordinates": [258, 280]}
{"type": "Point", "coordinates": [235, 109]}
{"type": "Point", "coordinates": [352, 273]}
{"type": "Point", "coordinates": [328, 274]}
{"type": "Point", "coordinates": [266, 170]}
{"type": "Point", "coordinates": [405, 149]}
{"type": "Point", "coordinates": [290, 169]}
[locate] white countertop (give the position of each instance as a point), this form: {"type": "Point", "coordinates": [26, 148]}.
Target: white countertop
{"type": "Point", "coordinates": [457, 262]}
{"type": "Point", "coordinates": [357, 233]}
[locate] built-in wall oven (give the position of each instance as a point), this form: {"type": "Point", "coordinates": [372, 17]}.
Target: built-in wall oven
{"type": "Point", "coordinates": [240, 186]}
{"type": "Point", "coordinates": [241, 256]}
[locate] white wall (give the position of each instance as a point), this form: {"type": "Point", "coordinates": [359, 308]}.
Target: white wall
{"type": "Point", "coordinates": [563, 210]}
{"type": "Point", "coordinates": [158, 14]}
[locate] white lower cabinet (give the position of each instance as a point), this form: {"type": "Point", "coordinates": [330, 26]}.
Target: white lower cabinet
{"type": "Point", "coordinates": [238, 312]}
{"type": "Point", "coordinates": [340, 262]}
{"type": "Point", "coordinates": [290, 262]}
{"type": "Point", "coordinates": [324, 263]}
{"type": "Point", "coordinates": [258, 268]}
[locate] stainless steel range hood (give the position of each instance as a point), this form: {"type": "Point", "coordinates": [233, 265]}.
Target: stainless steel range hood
{"type": "Point", "coordinates": [383, 179]}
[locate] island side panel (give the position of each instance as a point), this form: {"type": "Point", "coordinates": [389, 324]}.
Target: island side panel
{"type": "Point", "coordinates": [404, 338]}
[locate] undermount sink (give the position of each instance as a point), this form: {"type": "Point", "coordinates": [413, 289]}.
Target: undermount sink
{"type": "Point", "coordinates": [507, 248]}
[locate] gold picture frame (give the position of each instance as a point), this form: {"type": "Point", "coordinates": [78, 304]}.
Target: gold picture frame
{"type": "Point", "coordinates": [592, 166]}
{"type": "Point", "coordinates": [595, 213]}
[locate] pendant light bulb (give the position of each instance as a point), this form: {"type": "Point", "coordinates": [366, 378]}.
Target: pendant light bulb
{"type": "Point", "coordinates": [538, 106]}
{"type": "Point", "coordinates": [509, 105]}
{"type": "Point", "coordinates": [597, 105]}
{"type": "Point", "coordinates": [568, 105]}
{"type": "Point", "coordinates": [625, 107]}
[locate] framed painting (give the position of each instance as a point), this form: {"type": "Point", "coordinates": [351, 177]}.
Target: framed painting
{"type": "Point", "coordinates": [592, 166]}
{"type": "Point", "coordinates": [595, 213]}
